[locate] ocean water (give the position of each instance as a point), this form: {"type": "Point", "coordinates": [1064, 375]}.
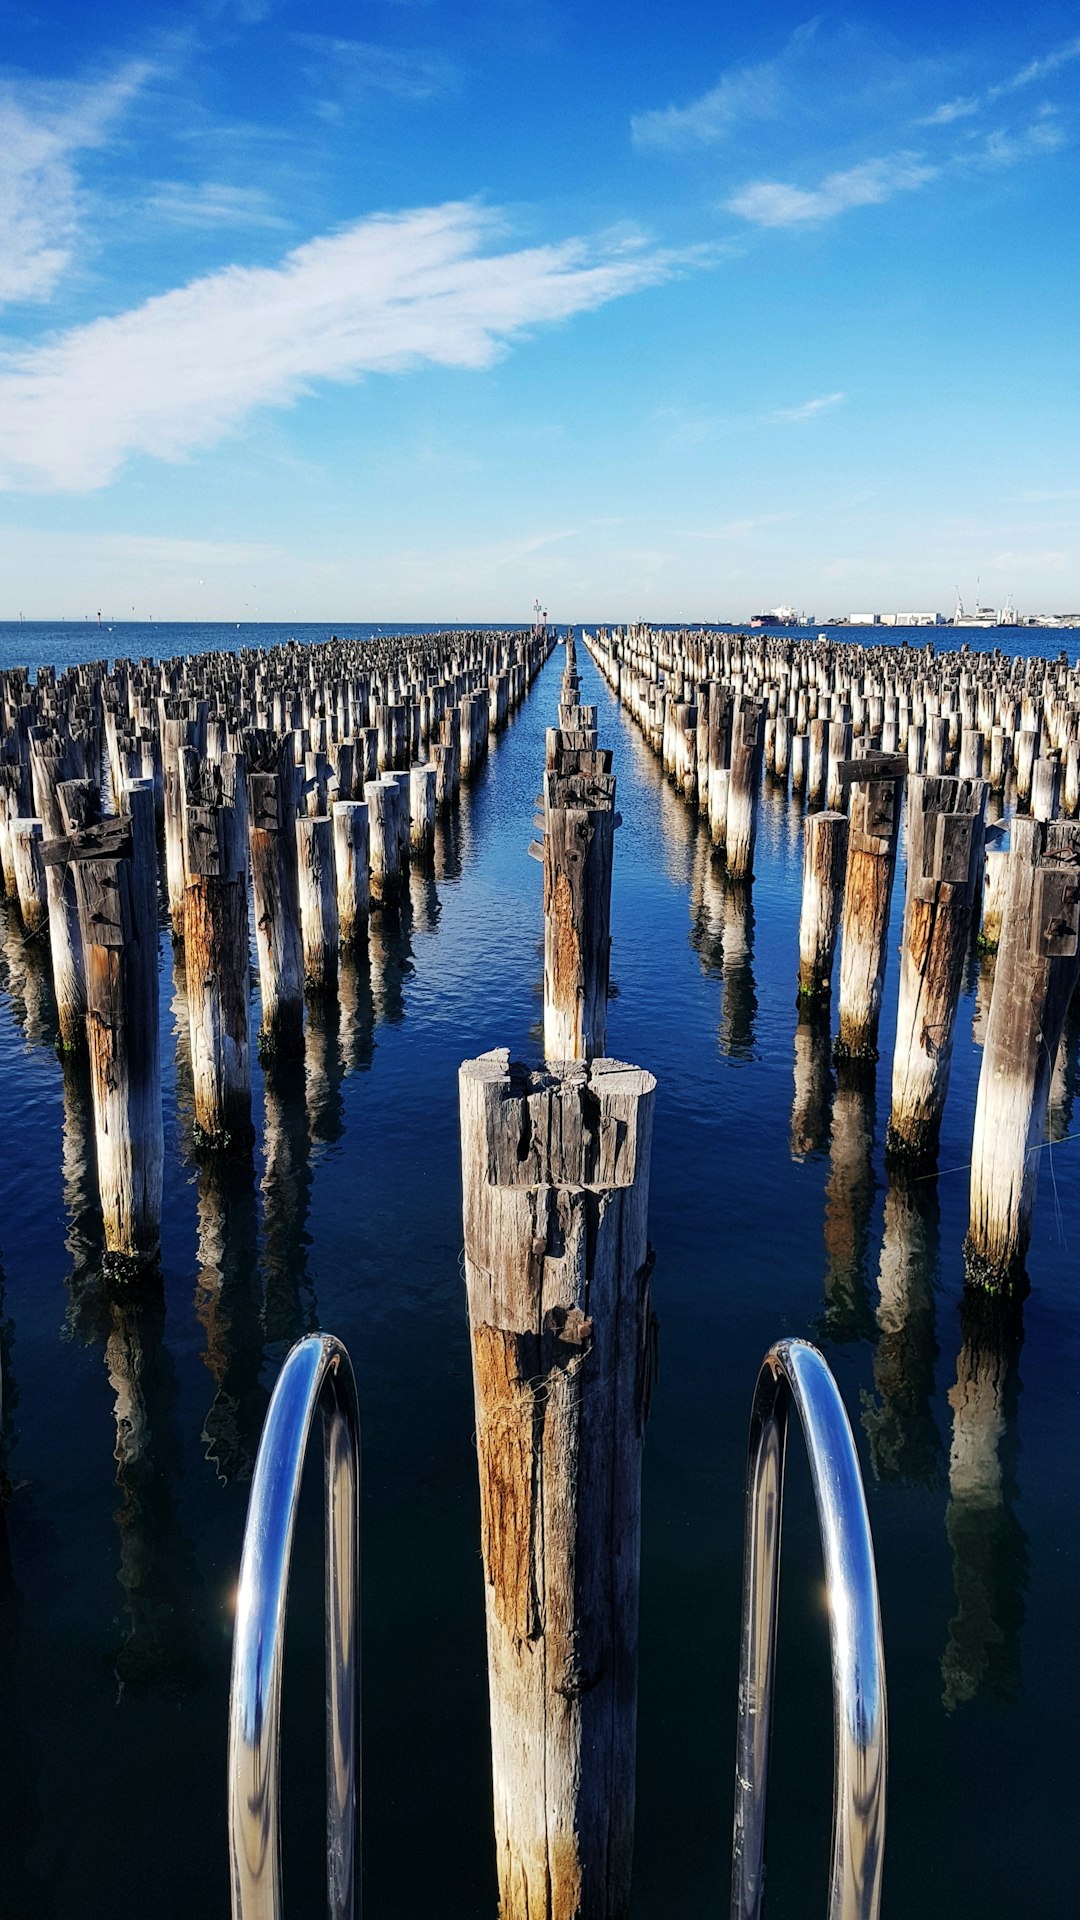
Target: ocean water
{"type": "Point", "coordinates": [128, 1433]}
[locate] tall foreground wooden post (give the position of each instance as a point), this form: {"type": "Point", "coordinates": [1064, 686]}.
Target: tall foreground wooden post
{"type": "Point", "coordinates": [1038, 964]}
{"type": "Point", "coordinates": [579, 839]}
{"type": "Point", "coordinates": [216, 952]}
{"type": "Point", "coordinates": [825, 845]}
{"type": "Point", "coordinates": [120, 947]}
{"type": "Point", "coordinates": [871, 866]}
{"type": "Point", "coordinates": [555, 1176]}
{"type": "Point", "coordinates": [945, 852]}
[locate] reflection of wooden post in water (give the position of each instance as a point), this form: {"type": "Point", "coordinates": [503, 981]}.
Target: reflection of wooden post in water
{"type": "Point", "coordinates": [390, 956]}
{"type": "Point", "coordinates": [157, 1566]}
{"type": "Point", "coordinates": [24, 974]}
{"type": "Point", "coordinates": [813, 1085]}
{"type": "Point", "coordinates": [84, 1238]}
{"type": "Point", "coordinates": [555, 1169]}
{"type": "Point", "coordinates": [899, 1421]}
{"type": "Point", "coordinates": [225, 1303]}
{"type": "Point", "coordinates": [739, 1004]}
{"type": "Point", "coordinates": [356, 1010]}
{"type": "Point", "coordinates": [849, 1204]}
{"type": "Point", "coordinates": [1063, 1083]}
{"type": "Point", "coordinates": [288, 1300]}
{"type": "Point", "coordinates": [325, 1074]}
{"type": "Point", "coordinates": [989, 1547]}
{"type": "Point", "coordinates": [707, 908]}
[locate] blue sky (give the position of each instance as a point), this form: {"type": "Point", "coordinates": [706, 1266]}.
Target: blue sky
{"type": "Point", "coordinates": [410, 310]}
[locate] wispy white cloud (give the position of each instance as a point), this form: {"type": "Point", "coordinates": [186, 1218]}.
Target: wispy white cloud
{"type": "Point", "coordinates": [1004, 149]}
{"type": "Point", "coordinates": [1040, 68]}
{"type": "Point", "coordinates": [951, 110]}
{"type": "Point", "coordinates": [809, 409]}
{"type": "Point", "coordinates": [745, 93]}
{"type": "Point", "coordinates": [42, 129]}
{"type": "Point", "coordinates": [211, 205]}
{"type": "Point", "coordinates": [775, 203]}
{"type": "Point", "coordinates": [354, 67]}
{"type": "Point", "coordinates": [389, 293]}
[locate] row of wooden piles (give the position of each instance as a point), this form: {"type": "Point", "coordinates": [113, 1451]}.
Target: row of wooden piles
{"type": "Point", "coordinates": [284, 790]}
{"type": "Point", "coordinates": [555, 1177]}
{"type": "Point", "coordinates": [852, 727]}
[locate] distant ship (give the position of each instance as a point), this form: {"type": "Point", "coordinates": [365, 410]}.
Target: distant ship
{"type": "Point", "coordinates": [984, 616]}
{"type": "Point", "coordinates": [781, 617]}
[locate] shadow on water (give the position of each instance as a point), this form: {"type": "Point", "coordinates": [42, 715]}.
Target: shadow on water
{"type": "Point", "coordinates": [26, 978]}
{"type": "Point", "coordinates": [814, 1086]}
{"type": "Point", "coordinates": [849, 1206]}
{"type": "Point", "coordinates": [391, 959]}
{"type": "Point", "coordinates": [158, 1573]}
{"type": "Point", "coordinates": [898, 1416]}
{"type": "Point", "coordinates": [989, 1545]}
{"type": "Point", "coordinates": [227, 1307]}
{"type": "Point", "coordinates": [288, 1296]}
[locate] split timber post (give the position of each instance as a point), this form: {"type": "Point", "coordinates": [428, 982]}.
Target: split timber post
{"type": "Point", "coordinates": [351, 865]}
{"type": "Point", "coordinates": [579, 841]}
{"type": "Point", "coordinates": [28, 859]}
{"type": "Point", "coordinates": [944, 863]}
{"type": "Point", "coordinates": [47, 767]}
{"type": "Point", "coordinates": [825, 846]}
{"type": "Point", "coordinates": [216, 947]}
{"type": "Point", "coordinates": [120, 948]}
{"type": "Point", "coordinates": [744, 782]}
{"type": "Point", "coordinates": [1038, 963]}
{"type": "Point", "coordinates": [275, 888]}
{"type": "Point", "coordinates": [555, 1174]}
{"type": "Point", "coordinates": [871, 866]}
{"type": "Point", "coordinates": [319, 926]}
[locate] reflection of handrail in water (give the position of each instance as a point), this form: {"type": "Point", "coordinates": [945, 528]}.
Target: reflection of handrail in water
{"type": "Point", "coordinates": [795, 1371]}
{"type": "Point", "coordinates": [317, 1373]}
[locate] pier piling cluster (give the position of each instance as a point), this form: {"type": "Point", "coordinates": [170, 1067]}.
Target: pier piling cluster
{"type": "Point", "coordinates": [963, 736]}
{"type": "Point", "coordinates": [288, 787]}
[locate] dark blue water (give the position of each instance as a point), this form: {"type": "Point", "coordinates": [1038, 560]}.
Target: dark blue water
{"type": "Point", "coordinates": [128, 1433]}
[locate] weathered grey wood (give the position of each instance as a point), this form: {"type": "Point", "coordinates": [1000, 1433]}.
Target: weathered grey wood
{"type": "Point", "coordinates": [422, 809]}
{"type": "Point", "coordinates": [121, 956]}
{"type": "Point", "coordinates": [1038, 963]}
{"type": "Point", "coordinates": [351, 867]}
{"type": "Point", "coordinates": [49, 767]}
{"type": "Point", "coordinates": [275, 888]}
{"type": "Point", "coordinates": [216, 948]}
{"type": "Point", "coordinates": [579, 826]}
{"type": "Point", "coordinates": [383, 843]}
{"type": "Point", "coordinates": [555, 1170]}
{"type": "Point", "coordinates": [825, 846]}
{"type": "Point", "coordinates": [945, 852]}
{"type": "Point", "coordinates": [319, 927]}
{"type": "Point", "coordinates": [744, 783]}
{"type": "Point", "coordinates": [27, 855]}
{"type": "Point", "coordinates": [871, 865]}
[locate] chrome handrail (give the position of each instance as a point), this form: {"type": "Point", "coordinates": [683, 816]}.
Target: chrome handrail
{"type": "Point", "coordinates": [794, 1370]}
{"type": "Point", "coordinates": [316, 1373]}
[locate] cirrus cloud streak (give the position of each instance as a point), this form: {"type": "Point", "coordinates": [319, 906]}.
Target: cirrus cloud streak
{"type": "Point", "coordinates": [389, 293]}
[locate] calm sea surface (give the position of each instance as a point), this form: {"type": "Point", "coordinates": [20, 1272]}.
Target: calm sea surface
{"type": "Point", "coordinates": [129, 1433]}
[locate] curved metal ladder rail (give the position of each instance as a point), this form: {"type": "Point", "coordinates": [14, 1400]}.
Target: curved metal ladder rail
{"type": "Point", "coordinates": [317, 1373]}
{"type": "Point", "coordinates": [795, 1371]}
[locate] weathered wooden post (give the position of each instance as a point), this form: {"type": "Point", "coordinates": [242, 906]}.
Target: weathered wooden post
{"type": "Point", "coordinates": [579, 839]}
{"type": "Point", "coordinates": [28, 860]}
{"type": "Point", "coordinates": [216, 954]}
{"type": "Point", "coordinates": [871, 865]}
{"type": "Point", "coordinates": [47, 766]}
{"type": "Point", "coordinates": [276, 894]}
{"type": "Point", "coordinates": [351, 868]}
{"type": "Point", "coordinates": [384, 847]}
{"type": "Point", "coordinates": [555, 1174]}
{"type": "Point", "coordinates": [825, 846]}
{"type": "Point", "coordinates": [422, 809]}
{"type": "Point", "coordinates": [944, 863]}
{"type": "Point", "coordinates": [319, 929]}
{"type": "Point", "coordinates": [744, 782]}
{"type": "Point", "coordinates": [120, 950]}
{"type": "Point", "coordinates": [1038, 963]}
